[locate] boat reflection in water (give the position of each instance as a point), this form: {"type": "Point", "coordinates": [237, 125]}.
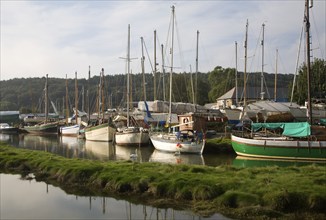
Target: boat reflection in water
{"type": "Point", "coordinates": [73, 147]}
{"type": "Point", "coordinates": [100, 150]}
{"type": "Point", "coordinates": [140, 154]}
{"type": "Point", "coordinates": [48, 143]}
{"type": "Point", "coordinates": [241, 161]}
{"type": "Point", "coordinates": [178, 158]}
{"type": "Point", "coordinates": [5, 137]}
{"type": "Point", "coordinates": [14, 191]}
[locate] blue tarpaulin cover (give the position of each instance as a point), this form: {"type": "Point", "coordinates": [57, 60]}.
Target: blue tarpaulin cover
{"type": "Point", "coordinates": [295, 129]}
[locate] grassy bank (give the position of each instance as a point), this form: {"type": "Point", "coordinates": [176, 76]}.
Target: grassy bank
{"type": "Point", "coordinates": [241, 193]}
{"type": "Point", "coordinates": [218, 145]}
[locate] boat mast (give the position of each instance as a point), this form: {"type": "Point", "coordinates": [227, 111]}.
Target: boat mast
{"type": "Point", "coordinates": [46, 99]}
{"type": "Point", "coordinates": [275, 82]}
{"type": "Point", "coordinates": [143, 67]}
{"type": "Point", "coordinates": [196, 84]}
{"type": "Point", "coordinates": [192, 86]}
{"type": "Point", "coordinates": [67, 108]}
{"type": "Point", "coordinates": [245, 67]}
{"type": "Point", "coordinates": [236, 73]}
{"type": "Point", "coordinates": [128, 74]}
{"type": "Point", "coordinates": [163, 73]}
{"type": "Point", "coordinates": [76, 98]}
{"type": "Point", "coordinates": [83, 98]}
{"type": "Point", "coordinates": [262, 66]}
{"type": "Point", "coordinates": [102, 95]}
{"type": "Point", "coordinates": [88, 88]}
{"type": "Point", "coordinates": [155, 63]}
{"type": "Point", "coordinates": [307, 22]}
{"type": "Point", "coordinates": [171, 69]}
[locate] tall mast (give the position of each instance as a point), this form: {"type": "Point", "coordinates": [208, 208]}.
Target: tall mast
{"type": "Point", "coordinates": [46, 99]}
{"type": "Point", "coordinates": [155, 65]}
{"type": "Point", "coordinates": [102, 95]}
{"type": "Point", "coordinates": [275, 82]}
{"type": "Point", "coordinates": [262, 66]}
{"type": "Point", "coordinates": [99, 99]}
{"type": "Point", "coordinates": [83, 98]}
{"type": "Point", "coordinates": [128, 74]}
{"type": "Point", "coordinates": [76, 98]}
{"type": "Point", "coordinates": [308, 59]}
{"type": "Point", "coordinates": [236, 73]}
{"type": "Point", "coordinates": [143, 67]}
{"type": "Point", "coordinates": [88, 88]}
{"type": "Point", "coordinates": [192, 86]}
{"type": "Point", "coordinates": [67, 108]}
{"type": "Point", "coordinates": [171, 70]}
{"type": "Point", "coordinates": [245, 67]}
{"type": "Point", "coordinates": [196, 84]}
{"type": "Point", "coordinates": [163, 72]}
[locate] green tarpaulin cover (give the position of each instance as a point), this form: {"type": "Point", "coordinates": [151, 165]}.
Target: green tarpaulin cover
{"type": "Point", "coordinates": [323, 121]}
{"type": "Point", "coordinates": [295, 129]}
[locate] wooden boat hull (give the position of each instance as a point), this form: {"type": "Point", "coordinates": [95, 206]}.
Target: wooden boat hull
{"type": "Point", "coordinates": [70, 130]}
{"type": "Point", "coordinates": [280, 149]}
{"type": "Point", "coordinates": [101, 132]}
{"type": "Point", "coordinates": [133, 138]}
{"type": "Point", "coordinates": [169, 143]}
{"type": "Point", "coordinates": [49, 128]}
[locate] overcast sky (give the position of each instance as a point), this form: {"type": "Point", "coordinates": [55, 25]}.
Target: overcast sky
{"type": "Point", "coordinates": [61, 37]}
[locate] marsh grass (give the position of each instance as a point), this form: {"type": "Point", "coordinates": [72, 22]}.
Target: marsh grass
{"type": "Point", "coordinates": [218, 145]}
{"type": "Point", "coordinates": [239, 192]}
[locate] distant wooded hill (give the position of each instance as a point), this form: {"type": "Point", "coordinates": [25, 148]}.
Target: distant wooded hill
{"type": "Point", "coordinates": [26, 94]}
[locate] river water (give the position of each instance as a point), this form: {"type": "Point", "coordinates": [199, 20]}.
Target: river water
{"type": "Point", "coordinates": [72, 147]}
{"type": "Point", "coordinates": [22, 198]}
{"type": "Point", "coordinates": [28, 199]}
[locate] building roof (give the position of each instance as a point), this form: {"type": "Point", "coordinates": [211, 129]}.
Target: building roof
{"type": "Point", "coordinates": [254, 93]}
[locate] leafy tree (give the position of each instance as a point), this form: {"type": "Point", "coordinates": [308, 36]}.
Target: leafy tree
{"type": "Point", "coordinates": [221, 80]}
{"type": "Point", "coordinates": [318, 82]}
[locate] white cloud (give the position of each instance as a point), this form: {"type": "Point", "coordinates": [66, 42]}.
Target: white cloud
{"type": "Point", "coordinates": [59, 38]}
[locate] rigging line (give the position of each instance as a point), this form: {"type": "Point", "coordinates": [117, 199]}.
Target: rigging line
{"type": "Point", "coordinates": [205, 55]}
{"type": "Point", "coordinates": [159, 44]}
{"type": "Point", "coordinates": [167, 42]}
{"type": "Point", "coordinates": [149, 58]}
{"type": "Point", "coordinates": [283, 66]}
{"type": "Point", "coordinates": [251, 64]}
{"type": "Point", "coordinates": [252, 61]}
{"type": "Point", "coordinates": [267, 90]}
{"type": "Point", "coordinates": [182, 62]}
{"type": "Point", "coordinates": [317, 34]}
{"type": "Point", "coordinates": [296, 67]}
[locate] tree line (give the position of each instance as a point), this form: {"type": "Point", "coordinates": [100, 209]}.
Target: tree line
{"type": "Point", "coordinates": [25, 94]}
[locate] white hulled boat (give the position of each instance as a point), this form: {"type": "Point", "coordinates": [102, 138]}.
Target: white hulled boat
{"type": "Point", "coordinates": [131, 135]}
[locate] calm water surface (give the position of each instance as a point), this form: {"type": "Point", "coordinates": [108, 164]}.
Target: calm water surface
{"type": "Point", "coordinates": [72, 147]}
{"type": "Point", "coordinates": [28, 199]}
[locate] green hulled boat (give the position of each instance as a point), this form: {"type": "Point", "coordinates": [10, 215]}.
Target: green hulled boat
{"type": "Point", "coordinates": [296, 142]}
{"type": "Point", "coordinates": [46, 128]}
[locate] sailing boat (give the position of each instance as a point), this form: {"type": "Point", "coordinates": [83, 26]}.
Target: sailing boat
{"type": "Point", "coordinates": [103, 130]}
{"type": "Point", "coordinates": [130, 135]}
{"type": "Point", "coordinates": [177, 141]}
{"type": "Point", "coordinates": [298, 141]}
{"type": "Point", "coordinates": [72, 130]}
{"type": "Point", "coordinates": [45, 127]}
